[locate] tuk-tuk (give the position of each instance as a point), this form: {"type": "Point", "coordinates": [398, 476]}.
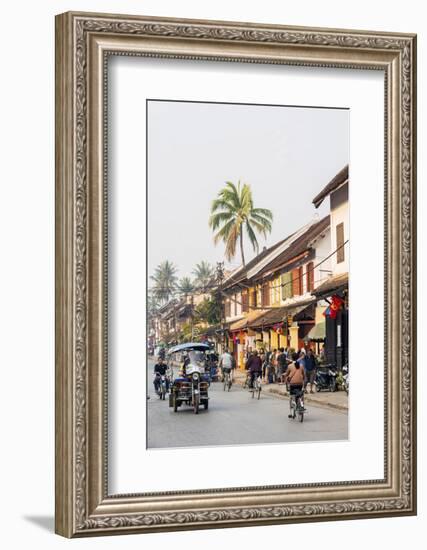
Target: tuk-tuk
{"type": "Point", "coordinates": [191, 385]}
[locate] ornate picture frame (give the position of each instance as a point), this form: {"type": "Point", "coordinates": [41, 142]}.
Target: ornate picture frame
{"type": "Point", "coordinates": [83, 43]}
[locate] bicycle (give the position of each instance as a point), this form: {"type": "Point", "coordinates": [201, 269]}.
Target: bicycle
{"type": "Point", "coordinates": [296, 404]}
{"type": "Point", "coordinates": [227, 381]}
{"type": "Point", "coordinates": [256, 387]}
{"type": "Point", "coordinates": [247, 381]}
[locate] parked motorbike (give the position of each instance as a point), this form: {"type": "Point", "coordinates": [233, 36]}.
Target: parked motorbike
{"type": "Point", "coordinates": [346, 378]}
{"type": "Point", "coordinates": [326, 378]}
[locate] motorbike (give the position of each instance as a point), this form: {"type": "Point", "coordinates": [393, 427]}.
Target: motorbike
{"type": "Point", "coordinates": [212, 366]}
{"type": "Point", "coordinates": [326, 378]}
{"type": "Point", "coordinates": [191, 387]}
{"type": "Point", "coordinates": [162, 385]}
{"type": "Point", "coordinates": [346, 379]}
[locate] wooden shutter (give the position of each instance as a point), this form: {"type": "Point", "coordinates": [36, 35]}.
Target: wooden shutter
{"type": "Point", "coordinates": [295, 282]}
{"type": "Point", "coordinates": [265, 294]}
{"type": "Point", "coordinates": [287, 285]}
{"type": "Point", "coordinates": [245, 302]}
{"type": "Point", "coordinates": [227, 308]}
{"type": "Point", "coordinates": [301, 279]}
{"type": "Point", "coordinates": [340, 243]}
{"type": "Point", "coordinates": [310, 276]}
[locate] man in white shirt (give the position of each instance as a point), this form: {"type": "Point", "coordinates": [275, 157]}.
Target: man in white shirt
{"type": "Point", "coordinates": [226, 363]}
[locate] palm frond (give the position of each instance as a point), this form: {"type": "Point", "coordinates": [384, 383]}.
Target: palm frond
{"type": "Point", "coordinates": [221, 204]}
{"type": "Point", "coordinates": [224, 233]}
{"type": "Point", "coordinates": [230, 248]}
{"type": "Point", "coordinates": [264, 212]}
{"type": "Point", "coordinates": [220, 217]}
{"type": "Point", "coordinates": [263, 227]}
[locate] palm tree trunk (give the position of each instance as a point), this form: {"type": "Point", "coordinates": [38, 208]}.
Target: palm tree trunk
{"type": "Point", "coordinates": [241, 249]}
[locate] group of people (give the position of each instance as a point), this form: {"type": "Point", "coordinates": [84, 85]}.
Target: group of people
{"type": "Point", "coordinates": [279, 366]}
{"type": "Point", "coordinates": [284, 366]}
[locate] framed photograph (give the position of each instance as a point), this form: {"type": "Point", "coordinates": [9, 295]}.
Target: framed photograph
{"type": "Point", "coordinates": [235, 243]}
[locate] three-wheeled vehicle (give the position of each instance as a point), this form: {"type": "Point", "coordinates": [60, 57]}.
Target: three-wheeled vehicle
{"type": "Point", "coordinates": [191, 385]}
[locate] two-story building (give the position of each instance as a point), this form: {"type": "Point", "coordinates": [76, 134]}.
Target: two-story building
{"type": "Point", "coordinates": [334, 291]}
{"type": "Point", "coordinates": [287, 279]}
{"type": "Point", "coordinates": [269, 303]}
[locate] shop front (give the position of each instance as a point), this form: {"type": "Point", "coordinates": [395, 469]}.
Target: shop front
{"type": "Point", "coordinates": [336, 318]}
{"type": "Point", "coordinates": [243, 337]}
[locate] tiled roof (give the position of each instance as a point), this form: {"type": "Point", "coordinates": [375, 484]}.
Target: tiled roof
{"type": "Point", "coordinates": [298, 247]}
{"type": "Point", "coordinates": [333, 284]}
{"type": "Point", "coordinates": [240, 274]}
{"type": "Point", "coordinates": [335, 182]}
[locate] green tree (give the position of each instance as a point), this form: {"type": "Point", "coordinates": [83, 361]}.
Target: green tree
{"type": "Point", "coordinates": [152, 305]}
{"type": "Point", "coordinates": [208, 311]}
{"type": "Point", "coordinates": [165, 280]}
{"type": "Point", "coordinates": [203, 273]}
{"type": "Point", "coordinates": [185, 286]}
{"type": "Point", "coordinates": [232, 213]}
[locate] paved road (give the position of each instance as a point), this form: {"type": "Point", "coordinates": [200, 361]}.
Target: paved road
{"type": "Point", "coordinates": [235, 418]}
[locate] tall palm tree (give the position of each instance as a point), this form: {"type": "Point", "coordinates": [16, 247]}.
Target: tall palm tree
{"type": "Point", "coordinates": [185, 286]}
{"type": "Point", "coordinates": [164, 281]}
{"type": "Point", "coordinates": [232, 212]}
{"type": "Point", "coordinates": [152, 304]}
{"type": "Point", "coordinates": [203, 275]}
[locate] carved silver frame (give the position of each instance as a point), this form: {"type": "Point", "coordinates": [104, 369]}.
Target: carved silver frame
{"type": "Point", "coordinates": [83, 42]}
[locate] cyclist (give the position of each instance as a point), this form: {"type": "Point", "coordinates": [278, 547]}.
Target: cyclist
{"type": "Point", "coordinates": [226, 363]}
{"type": "Point", "coordinates": [294, 376]}
{"type": "Point", "coordinates": [254, 366]}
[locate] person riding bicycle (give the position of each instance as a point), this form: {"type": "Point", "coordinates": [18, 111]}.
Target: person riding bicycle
{"type": "Point", "coordinates": [294, 376]}
{"type": "Point", "coordinates": [226, 363]}
{"type": "Point", "coordinates": [160, 369]}
{"type": "Point", "coordinates": [254, 366]}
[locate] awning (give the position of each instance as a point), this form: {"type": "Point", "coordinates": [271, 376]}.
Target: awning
{"type": "Point", "coordinates": [269, 318]}
{"type": "Point", "coordinates": [279, 314]}
{"type": "Point", "coordinates": [241, 324]}
{"type": "Point", "coordinates": [332, 285]}
{"type": "Point", "coordinates": [318, 332]}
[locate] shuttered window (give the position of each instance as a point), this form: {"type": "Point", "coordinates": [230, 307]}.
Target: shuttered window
{"type": "Point", "coordinates": [245, 302]}
{"type": "Point", "coordinates": [340, 243]}
{"type": "Point", "coordinates": [286, 282]}
{"type": "Point", "coordinates": [310, 276]}
{"type": "Point", "coordinates": [296, 282]}
{"type": "Point", "coordinates": [265, 294]}
{"type": "Point", "coordinates": [253, 297]}
{"type": "Point", "coordinates": [227, 308]}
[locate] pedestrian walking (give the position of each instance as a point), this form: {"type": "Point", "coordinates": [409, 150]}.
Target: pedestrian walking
{"type": "Point", "coordinates": [301, 360]}
{"type": "Point", "coordinates": [282, 365]}
{"type": "Point", "coordinates": [311, 364]}
{"type": "Point", "coordinates": [272, 366]}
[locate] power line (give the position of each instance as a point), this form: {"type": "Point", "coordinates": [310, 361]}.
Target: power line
{"type": "Point", "coordinates": [248, 287]}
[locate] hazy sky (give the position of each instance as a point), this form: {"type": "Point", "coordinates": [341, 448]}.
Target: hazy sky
{"type": "Point", "coordinates": [286, 154]}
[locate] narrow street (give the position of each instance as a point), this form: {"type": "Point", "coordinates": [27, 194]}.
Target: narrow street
{"type": "Point", "coordinates": [234, 418]}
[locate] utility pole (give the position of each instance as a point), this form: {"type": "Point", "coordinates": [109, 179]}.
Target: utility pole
{"type": "Point", "coordinates": [175, 331]}
{"type": "Point", "coordinates": [192, 317]}
{"type": "Point", "coordinates": [220, 279]}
